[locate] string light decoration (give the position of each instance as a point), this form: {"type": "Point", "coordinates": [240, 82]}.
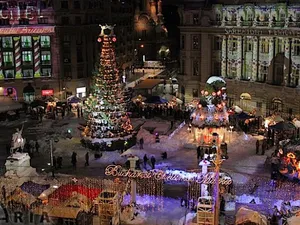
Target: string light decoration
{"type": "Point", "coordinates": [105, 107]}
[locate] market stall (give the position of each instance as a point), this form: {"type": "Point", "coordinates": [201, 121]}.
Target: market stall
{"type": "Point", "coordinates": [247, 216]}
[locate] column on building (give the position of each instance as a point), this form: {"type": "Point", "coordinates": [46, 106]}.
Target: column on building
{"type": "Point", "coordinates": [1, 68]}
{"type": "Point", "coordinates": [239, 57]}
{"type": "Point", "coordinates": [255, 59]}
{"type": "Point", "coordinates": [37, 56]}
{"type": "Point", "coordinates": [272, 42]}
{"type": "Point", "coordinates": [17, 48]}
{"type": "Point", "coordinates": [287, 54]}
{"type": "Point", "coordinates": [224, 56]}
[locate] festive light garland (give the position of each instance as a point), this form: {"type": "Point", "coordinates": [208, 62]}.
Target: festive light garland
{"type": "Point", "coordinates": [105, 107]}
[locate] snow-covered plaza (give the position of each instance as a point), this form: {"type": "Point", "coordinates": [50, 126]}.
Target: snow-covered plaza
{"type": "Point", "coordinates": [250, 174]}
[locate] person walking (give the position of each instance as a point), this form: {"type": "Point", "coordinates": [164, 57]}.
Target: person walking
{"type": "Point", "coordinates": [3, 193]}
{"type": "Point", "coordinates": [142, 143]}
{"type": "Point", "coordinates": [257, 147]}
{"type": "Point", "coordinates": [87, 158]}
{"type": "Point", "coordinates": [263, 147]}
{"type": "Point", "coordinates": [145, 161]}
{"type": "Point", "coordinates": [74, 160]}
{"type": "Point", "coordinates": [37, 146]}
{"type": "Point", "coordinates": [153, 160]}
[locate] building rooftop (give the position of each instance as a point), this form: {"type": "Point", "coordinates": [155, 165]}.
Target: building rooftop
{"type": "Point", "coordinates": [148, 84]}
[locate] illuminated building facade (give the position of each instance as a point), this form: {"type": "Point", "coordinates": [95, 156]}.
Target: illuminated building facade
{"type": "Point", "coordinates": [27, 49]}
{"type": "Point", "coordinates": [255, 47]}
{"type": "Point", "coordinates": [50, 47]}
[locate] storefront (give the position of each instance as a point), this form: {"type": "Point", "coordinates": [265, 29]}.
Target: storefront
{"type": "Point", "coordinates": [28, 93]}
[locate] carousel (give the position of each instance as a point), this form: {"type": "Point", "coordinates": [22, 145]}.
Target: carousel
{"type": "Point", "coordinates": [289, 162]}
{"type": "Point", "coordinates": [210, 117]}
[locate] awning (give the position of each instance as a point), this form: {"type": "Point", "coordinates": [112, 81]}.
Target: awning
{"type": "Point", "coordinates": [148, 84]}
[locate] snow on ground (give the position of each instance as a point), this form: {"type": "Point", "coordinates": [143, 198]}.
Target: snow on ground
{"type": "Point", "coordinates": [162, 211]}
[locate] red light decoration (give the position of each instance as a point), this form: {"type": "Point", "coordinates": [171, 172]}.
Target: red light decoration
{"type": "Point", "coordinates": [99, 39]}
{"type": "Point", "coordinates": [114, 39]}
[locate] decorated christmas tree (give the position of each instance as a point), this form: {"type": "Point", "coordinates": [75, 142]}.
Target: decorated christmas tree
{"type": "Point", "coordinates": [105, 107]}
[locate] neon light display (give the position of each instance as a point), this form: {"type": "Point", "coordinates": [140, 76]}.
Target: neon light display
{"type": "Point", "coordinates": [169, 175]}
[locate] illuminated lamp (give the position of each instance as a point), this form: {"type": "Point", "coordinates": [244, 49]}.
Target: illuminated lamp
{"type": "Point", "coordinates": [114, 39]}
{"type": "Point", "coordinates": [291, 155]}
{"type": "Point", "coordinates": [99, 39]}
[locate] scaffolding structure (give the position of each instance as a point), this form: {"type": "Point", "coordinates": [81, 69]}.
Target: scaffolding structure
{"type": "Point", "coordinates": [108, 207]}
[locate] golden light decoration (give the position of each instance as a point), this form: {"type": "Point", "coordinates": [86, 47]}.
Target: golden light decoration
{"type": "Point", "coordinates": [291, 155]}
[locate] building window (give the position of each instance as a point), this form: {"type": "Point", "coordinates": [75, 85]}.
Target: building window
{"type": "Point", "coordinates": [45, 41]}
{"type": "Point", "coordinates": [295, 76]}
{"type": "Point", "coordinates": [8, 58]}
{"type": "Point", "coordinates": [217, 68]}
{"type": "Point", "coordinates": [68, 72]}
{"type": "Point", "coordinates": [263, 73]}
{"type": "Point", "coordinates": [232, 44]}
{"type": "Point", "coordinates": [67, 57]}
{"type": "Point", "coordinates": [182, 42]}
{"type": "Point", "coordinates": [195, 42]}
{"type": "Point", "coordinates": [26, 42]}
{"type": "Point", "coordinates": [195, 68]}
{"type": "Point", "coordinates": [65, 20]}
{"type": "Point", "coordinates": [7, 42]}
{"type": "Point", "coordinates": [27, 73]}
{"type": "Point", "coordinates": [297, 47]}
{"type": "Point", "coordinates": [282, 17]}
{"type": "Point", "coordinates": [77, 20]}
{"type": "Point", "coordinates": [79, 54]}
{"type": "Point", "coordinates": [250, 17]}
{"type": "Point", "coordinates": [46, 57]}
{"type": "Point", "coordinates": [79, 39]}
{"type": "Point", "coordinates": [195, 93]}
{"type": "Point", "coordinates": [9, 74]}
{"type": "Point", "coordinates": [67, 38]}
{"type": "Point", "coordinates": [76, 4]}
{"type": "Point", "coordinates": [232, 71]}
{"type": "Point", "coordinates": [27, 57]}
{"type": "Point", "coordinates": [46, 72]}
{"type": "Point", "coordinates": [43, 20]}
{"type": "Point", "coordinates": [249, 46]}
{"type": "Point", "coordinates": [264, 46]}
{"type": "Point", "coordinates": [64, 4]}
{"type": "Point", "coordinates": [144, 33]}
{"type": "Point", "coordinates": [24, 21]}
{"type": "Point", "coordinates": [298, 17]}
{"type": "Point", "coordinates": [218, 17]}
{"type": "Point", "coordinates": [4, 22]}
{"type": "Point", "coordinates": [233, 17]}
{"type": "Point", "coordinates": [280, 46]}
{"type": "Point", "coordinates": [182, 66]}
{"type": "Point", "coordinates": [195, 18]}
{"type": "Point", "coordinates": [217, 43]}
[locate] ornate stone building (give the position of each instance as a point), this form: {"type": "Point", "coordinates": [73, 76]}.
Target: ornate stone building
{"type": "Point", "coordinates": [151, 35]}
{"type": "Point", "coordinates": [255, 47]}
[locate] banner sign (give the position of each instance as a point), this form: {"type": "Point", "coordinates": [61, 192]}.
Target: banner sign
{"type": "Point", "coordinates": [47, 92]}
{"type": "Point", "coordinates": [27, 30]}
{"type": "Point", "coordinates": [209, 178]}
{"type": "Point", "coordinates": [262, 32]}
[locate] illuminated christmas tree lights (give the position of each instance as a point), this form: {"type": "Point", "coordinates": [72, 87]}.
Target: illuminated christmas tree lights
{"type": "Point", "coordinates": [105, 107]}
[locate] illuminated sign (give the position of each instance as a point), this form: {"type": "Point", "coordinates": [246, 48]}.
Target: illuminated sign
{"type": "Point", "coordinates": [209, 178]}
{"type": "Point", "coordinates": [16, 13]}
{"type": "Point", "coordinates": [47, 92]}
{"type": "Point", "coordinates": [262, 32]}
{"type": "Point", "coordinates": [27, 30]}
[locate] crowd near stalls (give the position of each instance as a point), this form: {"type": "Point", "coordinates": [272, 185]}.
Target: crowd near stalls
{"type": "Point", "coordinates": [9, 108]}
{"type": "Point", "coordinates": [71, 201]}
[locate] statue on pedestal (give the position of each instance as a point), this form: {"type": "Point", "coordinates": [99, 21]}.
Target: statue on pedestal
{"type": "Point", "coordinates": [17, 142]}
